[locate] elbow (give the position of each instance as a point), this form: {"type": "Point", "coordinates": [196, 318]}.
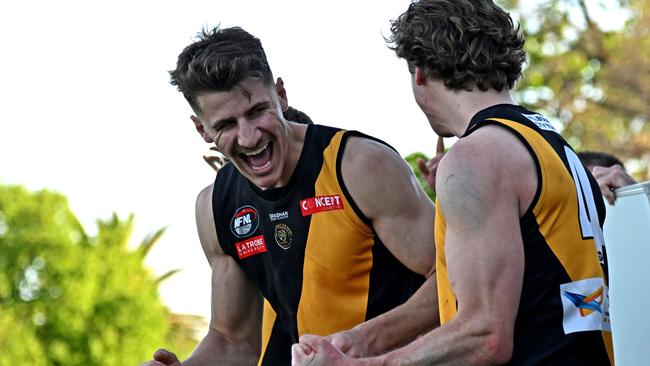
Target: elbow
{"type": "Point", "coordinates": [496, 348]}
{"type": "Point", "coordinates": [431, 271]}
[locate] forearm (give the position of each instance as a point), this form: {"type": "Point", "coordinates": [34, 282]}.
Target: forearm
{"type": "Point", "coordinates": [416, 316]}
{"type": "Point", "coordinates": [459, 342]}
{"type": "Point", "coordinates": [217, 349]}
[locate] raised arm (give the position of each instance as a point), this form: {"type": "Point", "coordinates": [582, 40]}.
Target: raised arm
{"type": "Point", "coordinates": [387, 192]}
{"type": "Point", "coordinates": [234, 334]}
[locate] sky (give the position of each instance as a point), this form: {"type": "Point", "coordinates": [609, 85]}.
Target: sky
{"type": "Point", "coordinates": [86, 108]}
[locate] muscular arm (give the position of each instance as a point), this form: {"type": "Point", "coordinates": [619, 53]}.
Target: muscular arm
{"type": "Point", "coordinates": [485, 183]}
{"type": "Point", "coordinates": [402, 216]}
{"type": "Point", "coordinates": [234, 334]}
{"type": "Point", "coordinates": [482, 191]}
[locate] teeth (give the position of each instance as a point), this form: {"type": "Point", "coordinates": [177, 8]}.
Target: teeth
{"type": "Point", "coordinates": [262, 148]}
{"type": "Point", "coordinates": [262, 167]}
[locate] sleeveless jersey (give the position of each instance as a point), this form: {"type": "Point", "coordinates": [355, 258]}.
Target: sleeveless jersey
{"type": "Point", "coordinates": [312, 253]}
{"type": "Point", "coordinates": [563, 316]}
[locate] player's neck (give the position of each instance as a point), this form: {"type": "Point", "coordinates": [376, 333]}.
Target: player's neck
{"type": "Point", "coordinates": [296, 135]}
{"type": "Point", "coordinates": [468, 103]}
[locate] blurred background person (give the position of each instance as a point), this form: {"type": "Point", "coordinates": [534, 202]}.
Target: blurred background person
{"type": "Point", "coordinates": [608, 170]}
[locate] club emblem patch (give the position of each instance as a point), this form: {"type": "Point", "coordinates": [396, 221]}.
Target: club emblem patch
{"type": "Point", "coordinates": [244, 222]}
{"type": "Point", "coordinates": [283, 236]}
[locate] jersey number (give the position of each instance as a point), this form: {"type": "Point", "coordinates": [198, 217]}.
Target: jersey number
{"type": "Point", "coordinates": [589, 221]}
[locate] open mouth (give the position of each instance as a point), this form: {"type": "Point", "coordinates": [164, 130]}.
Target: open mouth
{"type": "Point", "coordinates": [260, 158]}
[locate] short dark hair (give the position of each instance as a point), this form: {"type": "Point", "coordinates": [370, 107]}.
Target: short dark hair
{"type": "Point", "coordinates": [466, 44]}
{"type": "Point", "coordinates": [218, 60]}
{"type": "Point", "coordinates": [598, 158]}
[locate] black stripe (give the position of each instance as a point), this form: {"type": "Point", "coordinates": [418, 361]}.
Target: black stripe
{"type": "Point", "coordinates": [391, 283]}
{"type": "Point", "coordinates": [539, 337]}
{"type": "Point", "coordinates": [278, 350]}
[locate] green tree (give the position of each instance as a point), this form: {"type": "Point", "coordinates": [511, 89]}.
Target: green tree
{"type": "Point", "coordinates": [18, 342]}
{"type": "Point", "coordinates": [592, 79]}
{"type": "Point", "coordinates": [412, 160]}
{"type": "Point", "coordinates": [70, 299]}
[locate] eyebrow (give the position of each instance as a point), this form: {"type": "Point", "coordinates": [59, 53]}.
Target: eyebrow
{"type": "Point", "coordinates": [223, 121]}
{"type": "Point", "coordinates": [258, 105]}
{"type": "Point", "coordinates": [249, 111]}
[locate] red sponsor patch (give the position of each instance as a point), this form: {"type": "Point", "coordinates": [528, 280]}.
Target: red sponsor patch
{"type": "Point", "coordinates": [321, 203]}
{"type": "Point", "coordinates": [252, 246]}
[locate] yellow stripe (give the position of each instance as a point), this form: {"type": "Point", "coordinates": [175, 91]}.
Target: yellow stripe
{"type": "Point", "coordinates": [558, 217]}
{"type": "Point", "coordinates": [446, 297]}
{"type": "Point", "coordinates": [336, 272]}
{"type": "Point", "coordinates": [268, 320]}
{"type": "Point", "coordinates": [609, 345]}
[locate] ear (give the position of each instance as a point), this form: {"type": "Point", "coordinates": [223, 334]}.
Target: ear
{"type": "Point", "coordinates": [282, 94]}
{"type": "Point", "coordinates": [199, 128]}
{"type": "Point", "coordinates": [420, 77]}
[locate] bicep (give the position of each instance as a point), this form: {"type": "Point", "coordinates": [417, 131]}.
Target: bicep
{"type": "Point", "coordinates": [236, 302]}
{"type": "Point", "coordinates": [483, 245]}
{"type": "Point", "coordinates": [401, 213]}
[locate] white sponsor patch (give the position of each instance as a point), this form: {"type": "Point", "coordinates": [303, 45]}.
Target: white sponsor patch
{"type": "Point", "coordinates": [541, 122]}
{"type": "Point", "coordinates": [283, 215]}
{"type": "Point", "coordinates": [586, 305]}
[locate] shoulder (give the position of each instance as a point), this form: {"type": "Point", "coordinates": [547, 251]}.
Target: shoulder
{"type": "Point", "coordinates": [205, 224]}
{"type": "Point", "coordinates": [489, 150]}
{"type": "Point", "coordinates": [363, 152]}
{"type": "Point", "coordinates": [204, 200]}
{"type": "Point", "coordinates": [490, 164]}
{"type": "Point", "coordinates": [373, 173]}
{"type": "Point", "coordinates": [364, 158]}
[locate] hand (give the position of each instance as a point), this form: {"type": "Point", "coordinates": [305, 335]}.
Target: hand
{"type": "Point", "coordinates": [162, 357]}
{"type": "Point", "coordinates": [430, 168]}
{"type": "Point", "coordinates": [215, 161]}
{"type": "Point", "coordinates": [317, 351]}
{"type": "Point", "coordinates": [351, 343]}
{"type": "Point", "coordinates": [611, 178]}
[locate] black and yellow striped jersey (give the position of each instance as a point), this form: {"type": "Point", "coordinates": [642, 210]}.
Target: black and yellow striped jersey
{"type": "Point", "coordinates": [563, 316]}
{"type": "Point", "coordinates": [313, 254]}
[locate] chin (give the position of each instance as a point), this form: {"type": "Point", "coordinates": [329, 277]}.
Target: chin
{"type": "Point", "coordinates": [442, 132]}
{"type": "Point", "coordinates": [264, 182]}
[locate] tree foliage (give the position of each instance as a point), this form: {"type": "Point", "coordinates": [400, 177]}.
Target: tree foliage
{"type": "Point", "coordinates": [412, 160]}
{"type": "Point", "coordinates": [591, 79]}
{"type": "Point", "coordinates": [594, 80]}
{"type": "Point", "coordinates": [70, 299]}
